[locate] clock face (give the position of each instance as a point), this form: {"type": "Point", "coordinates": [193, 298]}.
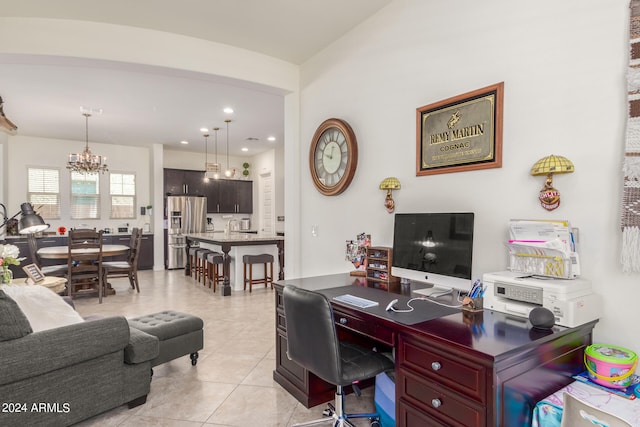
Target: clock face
{"type": "Point", "coordinates": [333, 157]}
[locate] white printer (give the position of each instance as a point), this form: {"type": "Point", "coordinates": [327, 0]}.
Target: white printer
{"type": "Point", "coordinates": [571, 301]}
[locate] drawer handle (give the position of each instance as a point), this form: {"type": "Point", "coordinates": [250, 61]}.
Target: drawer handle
{"type": "Point", "coordinates": [343, 321]}
{"type": "Point", "coordinates": [436, 403]}
{"type": "Point", "coordinates": [436, 366]}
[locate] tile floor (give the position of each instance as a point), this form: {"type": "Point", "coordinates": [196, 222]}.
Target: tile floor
{"type": "Point", "coordinates": [232, 384]}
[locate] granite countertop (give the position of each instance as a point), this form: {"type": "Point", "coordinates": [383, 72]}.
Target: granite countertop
{"type": "Point", "coordinates": [234, 236]}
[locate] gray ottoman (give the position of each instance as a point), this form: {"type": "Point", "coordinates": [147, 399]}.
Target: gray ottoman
{"type": "Point", "coordinates": [178, 334]}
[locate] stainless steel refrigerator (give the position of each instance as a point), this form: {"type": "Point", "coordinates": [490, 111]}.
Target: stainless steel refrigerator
{"type": "Point", "coordinates": [185, 214]}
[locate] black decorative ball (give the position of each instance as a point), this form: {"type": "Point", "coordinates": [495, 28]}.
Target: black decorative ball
{"type": "Point", "coordinates": [542, 318]}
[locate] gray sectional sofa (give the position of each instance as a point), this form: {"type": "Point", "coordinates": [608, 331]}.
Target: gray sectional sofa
{"type": "Point", "coordinates": [61, 376]}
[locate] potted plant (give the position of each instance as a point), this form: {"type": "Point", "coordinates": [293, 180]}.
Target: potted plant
{"type": "Point", "coordinates": [245, 172]}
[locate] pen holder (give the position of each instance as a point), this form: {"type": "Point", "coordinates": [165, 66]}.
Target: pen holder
{"type": "Point", "coordinates": [472, 304]}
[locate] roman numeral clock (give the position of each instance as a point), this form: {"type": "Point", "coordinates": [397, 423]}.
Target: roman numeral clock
{"type": "Point", "coordinates": [333, 157]}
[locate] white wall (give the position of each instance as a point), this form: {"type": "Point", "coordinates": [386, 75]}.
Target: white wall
{"type": "Point", "coordinates": [563, 65]}
{"type": "Point", "coordinates": [24, 151]}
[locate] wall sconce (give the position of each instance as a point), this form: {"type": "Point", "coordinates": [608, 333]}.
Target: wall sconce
{"type": "Point", "coordinates": [549, 196]}
{"type": "Point", "coordinates": [389, 184]}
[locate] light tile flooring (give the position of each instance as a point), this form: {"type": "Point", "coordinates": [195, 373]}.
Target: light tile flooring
{"type": "Point", "coordinates": [232, 384]}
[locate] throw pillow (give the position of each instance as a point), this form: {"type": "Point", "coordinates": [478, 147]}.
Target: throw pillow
{"type": "Point", "coordinates": [13, 322]}
{"type": "Point", "coordinates": [43, 308]}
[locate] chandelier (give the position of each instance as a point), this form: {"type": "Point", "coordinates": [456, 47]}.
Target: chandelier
{"type": "Point", "coordinates": [86, 162]}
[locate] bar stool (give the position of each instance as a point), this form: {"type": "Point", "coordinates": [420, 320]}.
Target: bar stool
{"type": "Point", "coordinates": [264, 259]}
{"type": "Point", "coordinates": [214, 273]}
{"type": "Point", "coordinates": [192, 260]}
{"type": "Point", "coordinates": [201, 265]}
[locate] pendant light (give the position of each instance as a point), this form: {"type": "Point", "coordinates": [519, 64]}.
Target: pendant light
{"type": "Point", "coordinates": [216, 165]}
{"type": "Point", "coordinates": [206, 156]}
{"type": "Point", "coordinates": [86, 162]}
{"type": "Point", "coordinates": [227, 172]}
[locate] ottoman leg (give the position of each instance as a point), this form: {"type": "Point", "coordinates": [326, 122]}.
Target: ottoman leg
{"type": "Point", "coordinates": [194, 358]}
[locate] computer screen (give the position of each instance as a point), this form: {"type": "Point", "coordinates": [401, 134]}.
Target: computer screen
{"type": "Point", "coordinates": [435, 248]}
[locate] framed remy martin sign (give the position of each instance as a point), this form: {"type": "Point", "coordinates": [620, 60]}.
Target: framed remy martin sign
{"type": "Point", "coordinates": [462, 133]}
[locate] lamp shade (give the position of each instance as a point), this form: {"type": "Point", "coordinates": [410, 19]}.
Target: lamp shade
{"type": "Point", "coordinates": [551, 165]}
{"type": "Point", "coordinates": [390, 183]}
{"type": "Point", "coordinates": [30, 222]}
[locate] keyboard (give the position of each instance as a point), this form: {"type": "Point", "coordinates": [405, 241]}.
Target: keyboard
{"type": "Point", "coordinates": [356, 301]}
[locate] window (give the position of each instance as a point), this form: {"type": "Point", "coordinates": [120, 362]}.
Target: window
{"type": "Point", "coordinates": [85, 196]}
{"type": "Point", "coordinates": [122, 188]}
{"type": "Point", "coordinates": [44, 191]}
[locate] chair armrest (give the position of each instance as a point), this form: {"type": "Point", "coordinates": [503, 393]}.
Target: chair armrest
{"type": "Point", "coordinates": [45, 351]}
{"type": "Point", "coordinates": [141, 348]}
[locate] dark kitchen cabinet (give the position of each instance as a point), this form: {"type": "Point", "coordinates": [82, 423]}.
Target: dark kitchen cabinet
{"type": "Point", "coordinates": [229, 196]}
{"type": "Point", "coordinates": [184, 182]}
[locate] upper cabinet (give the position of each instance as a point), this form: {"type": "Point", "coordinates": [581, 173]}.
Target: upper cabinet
{"type": "Point", "coordinates": [230, 196]}
{"type": "Point", "coordinates": [223, 195]}
{"type": "Point", "coordinates": [179, 182]}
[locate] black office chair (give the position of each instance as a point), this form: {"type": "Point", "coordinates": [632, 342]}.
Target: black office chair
{"type": "Point", "coordinates": [312, 342]}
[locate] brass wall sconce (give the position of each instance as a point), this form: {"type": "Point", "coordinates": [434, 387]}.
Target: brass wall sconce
{"type": "Point", "coordinates": [389, 184]}
{"type": "Point", "coordinates": [549, 196]}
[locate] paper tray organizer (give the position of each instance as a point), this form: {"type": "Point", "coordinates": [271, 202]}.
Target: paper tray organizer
{"type": "Point", "coordinates": [540, 261]}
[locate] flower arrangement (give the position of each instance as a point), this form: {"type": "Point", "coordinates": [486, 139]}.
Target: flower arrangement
{"type": "Point", "coordinates": [9, 255]}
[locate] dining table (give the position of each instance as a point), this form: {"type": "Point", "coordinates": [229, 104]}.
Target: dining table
{"type": "Point", "coordinates": [62, 252]}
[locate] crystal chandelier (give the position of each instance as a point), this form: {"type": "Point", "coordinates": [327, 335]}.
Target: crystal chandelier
{"type": "Point", "coordinates": [86, 162]}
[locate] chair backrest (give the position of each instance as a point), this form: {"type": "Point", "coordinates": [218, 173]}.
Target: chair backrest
{"type": "Point", "coordinates": [80, 235]}
{"type": "Point", "coordinates": [312, 340]}
{"type": "Point", "coordinates": [33, 249]}
{"type": "Point", "coordinates": [576, 413]}
{"type": "Point", "coordinates": [85, 256]}
{"type": "Point", "coordinates": [134, 247]}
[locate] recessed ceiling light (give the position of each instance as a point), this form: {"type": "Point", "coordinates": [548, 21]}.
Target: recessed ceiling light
{"type": "Point", "coordinates": [245, 149]}
{"type": "Point", "coordinates": [228, 110]}
{"type": "Point", "coordinates": [271, 138]}
{"type": "Point", "coordinates": [204, 130]}
{"type": "Point", "coordinates": [184, 142]}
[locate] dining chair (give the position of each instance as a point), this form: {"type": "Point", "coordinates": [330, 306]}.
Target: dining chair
{"type": "Point", "coordinates": [84, 263]}
{"type": "Point", "coordinates": [80, 235]}
{"type": "Point", "coordinates": [47, 270]}
{"type": "Point", "coordinates": [128, 268]}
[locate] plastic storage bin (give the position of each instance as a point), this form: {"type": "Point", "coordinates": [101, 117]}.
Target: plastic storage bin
{"type": "Point", "coordinates": [385, 399]}
{"type": "Point", "coordinates": [610, 365]}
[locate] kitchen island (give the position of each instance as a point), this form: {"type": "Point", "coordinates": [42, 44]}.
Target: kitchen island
{"type": "Point", "coordinates": [234, 245]}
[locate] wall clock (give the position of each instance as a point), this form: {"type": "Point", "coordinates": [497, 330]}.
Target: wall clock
{"type": "Point", "coordinates": [333, 157]}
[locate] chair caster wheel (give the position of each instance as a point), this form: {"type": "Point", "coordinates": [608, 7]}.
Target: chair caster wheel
{"type": "Point", "coordinates": [375, 423]}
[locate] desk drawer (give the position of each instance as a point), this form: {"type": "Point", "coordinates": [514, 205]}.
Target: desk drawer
{"type": "Point", "coordinates": [425, 359]}
{"type": "Point", "coordinates": [439, 402]}
{"type": "Point", "coordinates": [357, 324]}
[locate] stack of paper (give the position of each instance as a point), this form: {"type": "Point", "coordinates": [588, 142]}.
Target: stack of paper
{"type": "Point", "coordinates": [543, 247]}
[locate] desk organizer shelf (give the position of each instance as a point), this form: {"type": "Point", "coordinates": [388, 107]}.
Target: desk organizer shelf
{"type": "Point", "coordinates": [379, 261]}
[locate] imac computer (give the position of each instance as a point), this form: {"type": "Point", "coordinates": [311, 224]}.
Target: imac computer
{"type": "Point", "coordinates": [434, 248]}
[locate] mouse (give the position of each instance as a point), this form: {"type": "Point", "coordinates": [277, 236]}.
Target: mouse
{"type": "Point", "coordinates": [391, 304]}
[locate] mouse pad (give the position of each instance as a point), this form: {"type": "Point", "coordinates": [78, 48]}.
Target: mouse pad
{"type": "Point", "coordinates": [423, 310]}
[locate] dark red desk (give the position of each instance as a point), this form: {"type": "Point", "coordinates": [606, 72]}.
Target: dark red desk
{"type": "Point", "coordinates": [487, 369]}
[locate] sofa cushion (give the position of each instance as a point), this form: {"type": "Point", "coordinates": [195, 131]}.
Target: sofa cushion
{"type": "Point", "coordinates": [13, 322]}
{"type": "Point", "coordinates": [43, 308]}
{"type": "Point", "coordinates": [141, 347]}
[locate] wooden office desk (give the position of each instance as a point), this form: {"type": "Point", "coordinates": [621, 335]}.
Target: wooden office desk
{"type": "Point", "coordinates": [487, 369]}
